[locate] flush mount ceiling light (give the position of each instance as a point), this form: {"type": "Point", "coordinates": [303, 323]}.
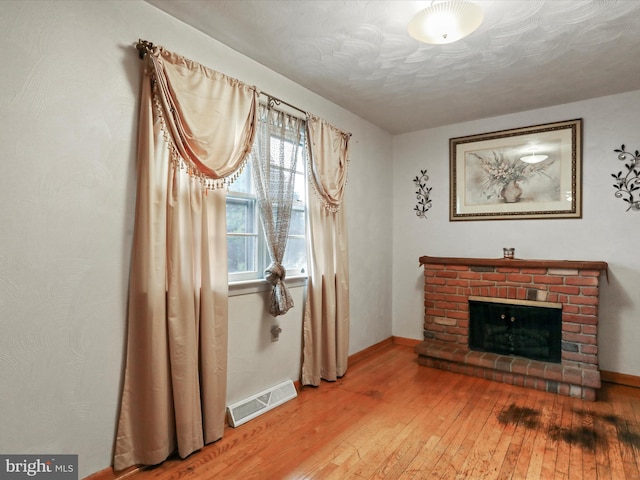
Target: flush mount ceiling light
{"type": "Point", "coordinates": [533, 158]}
{"type": "Point", "coordinates": [445, 22]}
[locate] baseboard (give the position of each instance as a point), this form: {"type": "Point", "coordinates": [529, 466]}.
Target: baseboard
{"type": "Point", "coordinates": [407, 342]}
{"type": "Point", "coordinates": [109, 474]}
{"type": "Point", "coordinates": [369, 350]}
{"type": "Point", "coordinates": [620, 378]}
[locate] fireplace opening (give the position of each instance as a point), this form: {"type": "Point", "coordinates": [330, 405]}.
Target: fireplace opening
{"type": "Point", "coordinates": [519, 329]}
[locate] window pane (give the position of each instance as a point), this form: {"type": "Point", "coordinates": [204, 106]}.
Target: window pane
{"type": "Point", "coordinates": [241, 254]}
{"type": "Point", "coordinates": [243, 183]}
{"type": "Point", "coordinates": [240, 215]}
{"type": "Point", "coordinates": [299, 187]}
{"type": "Point", "coordinates": [295, 257]}
{"type": "Point", "coordinates": [296, 227]}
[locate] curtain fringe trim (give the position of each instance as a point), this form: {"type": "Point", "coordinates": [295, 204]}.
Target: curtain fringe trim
{"type": "Point", "coordinates": [179, 162]}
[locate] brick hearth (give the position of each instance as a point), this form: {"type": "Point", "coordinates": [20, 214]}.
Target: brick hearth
{"type": "Point", "coordinates": [449, 282]}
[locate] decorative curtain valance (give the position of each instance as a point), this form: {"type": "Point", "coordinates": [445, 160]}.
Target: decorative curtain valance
{"type": "Point", "coordinates": [209, 118]}
{"type": "Point", "coordinates": [328, 178]}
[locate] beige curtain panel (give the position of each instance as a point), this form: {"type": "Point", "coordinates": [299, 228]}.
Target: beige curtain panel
{"type": "Point", "coordinates": [196, 128]}
{"type": "Point", "coordinates": [326, 313]}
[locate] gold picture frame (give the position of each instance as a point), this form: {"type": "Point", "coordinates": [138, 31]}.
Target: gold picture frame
{"type": "Point", "coordinates": [524, 173]}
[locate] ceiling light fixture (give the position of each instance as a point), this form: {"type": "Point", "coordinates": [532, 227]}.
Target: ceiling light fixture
{"type": "Point", "coordinates": [534, 158]}
{"type": "Point", "coordinates": [446, 21]}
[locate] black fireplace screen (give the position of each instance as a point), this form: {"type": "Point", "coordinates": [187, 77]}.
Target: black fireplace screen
{"type": "Point", "coordinates": [523, 330]}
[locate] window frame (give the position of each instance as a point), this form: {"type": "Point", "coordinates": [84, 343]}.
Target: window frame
{"type": "Point", "coordinates": [248, 281]}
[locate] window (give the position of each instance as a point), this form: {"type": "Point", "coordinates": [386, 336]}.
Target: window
{"type": "Point", "coordinates": [247, 250]}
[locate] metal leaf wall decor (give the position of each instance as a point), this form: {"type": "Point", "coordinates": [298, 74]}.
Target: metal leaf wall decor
{"type": "Point", "coordinates": [422, 194]}
{"type": "Point", "coordinates": [628, 183]}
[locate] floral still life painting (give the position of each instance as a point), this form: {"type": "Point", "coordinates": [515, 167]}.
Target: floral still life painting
{"type": "Point", "coordinates": [522, 173]}
{"type": "Point", "coordinates": [496, 177]}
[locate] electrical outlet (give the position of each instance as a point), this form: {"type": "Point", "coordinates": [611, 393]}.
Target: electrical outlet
{"type": "Point", "coordinates": [275, 333]}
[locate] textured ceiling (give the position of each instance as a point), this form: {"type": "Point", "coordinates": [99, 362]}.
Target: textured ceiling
{"type": "Point", "coordinates": [358, 54]}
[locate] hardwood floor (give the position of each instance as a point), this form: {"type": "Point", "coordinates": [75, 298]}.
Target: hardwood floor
{"type": "Point", "coordinates": [391, 418]}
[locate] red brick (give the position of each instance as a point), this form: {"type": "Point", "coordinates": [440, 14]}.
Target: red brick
{"type": "Point", "coordinates": [433, 266]}
{"type": "Point", "coordinates": [588, 310]}
{"type": "Point", "coordinates": [488, 360]}
{"type": "Point", "coordinates": [548, 280]}
{"type": "Point", "coordinates": [582, 281]}
{"type": "Point", "coordinates": [589, 349]}
{"type": "Point", "coordinates": [437, 281]}
{"type": "Point", "coordinates": [459, 268]}
{"type": "Point", "coordinates": [508, 378]}
{"type": "Point", "coordinates": [553, 372]}
{"type": "Point", "coordinates": [437, 312]}
{"type": "Point", "coordinates": [589, 394]}
{"type": "Point", "coordinates": [457, 299]}
{"type": "Point", "coordinates": [578, 338]}
{"type": "Point", "coordinates": [569, 290]}
{"type": "Point", "coordinates": [589, 329]}
{"type": "Point", "coordinates": [589, 291]}
{"type": "Point", "coordinates": [470, 275]}
{"type": "Point", "coordinates": [571, 309]}
{"type": "Point", "coordinates": [571, 327]}
{"type": "Point", "coordinates": [446, 290]}
{"type": "Point", "coordinates": [590, 273]}
{"type": "Point", "coordinates": [494, 277]}
{"type": "Point", "coordinates": [563, 389]}
{"type": "Point", "coordinates": [536, 369]}
{"type": "Point", "coordinates": [530, 382]}
{"type": "Point", "coordinates": [458, 283]}
{"type": "Point", "coordinates": [580, 357]}
{"type": "Point", "coordinates": [583, 319]}
{"type": "Point", "coordinates": [520, 366]}
{"type": "Point", "coordinates": [458, 315]}
{"type": "Point", "coordinates": [572, 376]}
{"type": "Point", "coordinates": [446, 274]}
{"type": "Point", "coordinates": [583, 300]}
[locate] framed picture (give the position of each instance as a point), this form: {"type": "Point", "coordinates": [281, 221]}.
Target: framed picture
{"type": "Point", "coordinates": [523, 173]}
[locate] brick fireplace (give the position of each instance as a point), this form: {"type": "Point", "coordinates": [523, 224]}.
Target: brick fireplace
{"type": "Point", "coordinates": [572, 286]}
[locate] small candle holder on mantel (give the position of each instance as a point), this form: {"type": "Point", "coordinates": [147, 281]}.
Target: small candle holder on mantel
{"type": "Point", "coordinates": [508, 253]}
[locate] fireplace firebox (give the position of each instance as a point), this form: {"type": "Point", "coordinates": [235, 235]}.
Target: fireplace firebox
{"type": "Point", "coordinates": [523, 330]}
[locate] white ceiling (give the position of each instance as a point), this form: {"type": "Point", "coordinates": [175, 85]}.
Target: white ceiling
{"type": "Point", "coordinates": [526, 54]}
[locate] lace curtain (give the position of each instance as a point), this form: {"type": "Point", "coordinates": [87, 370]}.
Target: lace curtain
{"type": "Point", "coordinates": [273, 160]}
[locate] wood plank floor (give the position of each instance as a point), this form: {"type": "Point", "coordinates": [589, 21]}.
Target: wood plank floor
{"type": "Point", "coordinates": [391, 418]}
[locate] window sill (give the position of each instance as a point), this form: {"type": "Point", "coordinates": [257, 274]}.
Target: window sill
{"type": "Point", "coordinates": [247, 287]}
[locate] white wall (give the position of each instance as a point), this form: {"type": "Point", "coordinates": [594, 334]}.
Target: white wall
{"type": "Point", "coordinates": [606, 232]}
{"type": "Point", "coordinates": [69, 99]}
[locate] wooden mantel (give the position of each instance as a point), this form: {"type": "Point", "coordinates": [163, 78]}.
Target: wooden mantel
{"type": "Point", "coordinates": [514, 262]}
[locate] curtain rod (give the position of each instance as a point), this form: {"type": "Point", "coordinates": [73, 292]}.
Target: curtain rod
{"type": "Point", "coordinates": [144, 47]}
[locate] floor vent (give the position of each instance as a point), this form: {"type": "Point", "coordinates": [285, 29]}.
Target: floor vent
{"type": "Point", "coordinates": [249, 408]}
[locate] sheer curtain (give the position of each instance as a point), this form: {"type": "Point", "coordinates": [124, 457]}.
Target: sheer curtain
{"type": "Point", "coordinates": [326, 314]}
{"type": "Point", "coordinates": [196, 129]}
{"type": "Point", "coordinates": [273, 160]}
